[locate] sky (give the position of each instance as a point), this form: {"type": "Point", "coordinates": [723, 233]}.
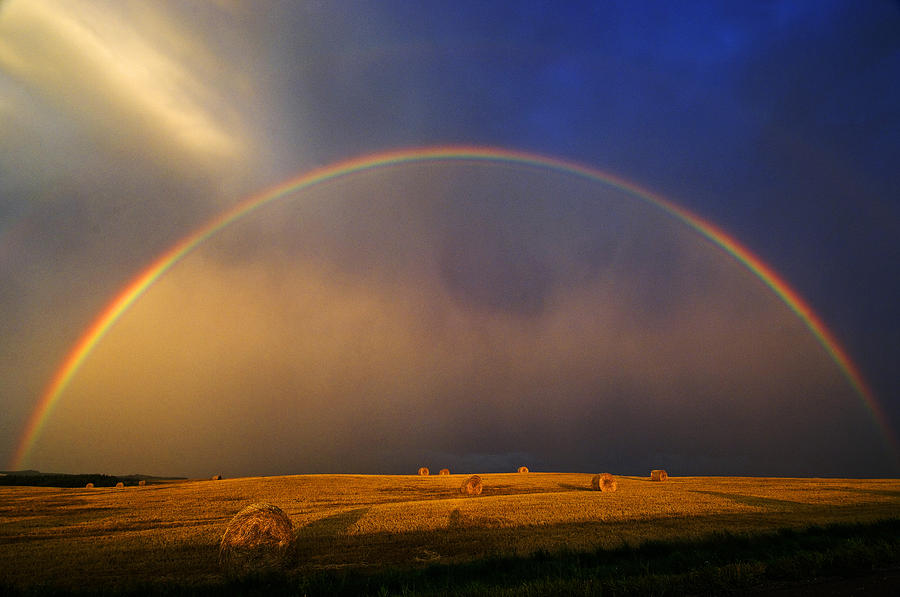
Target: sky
{"type": "Point", "coordinates": [472, 314]}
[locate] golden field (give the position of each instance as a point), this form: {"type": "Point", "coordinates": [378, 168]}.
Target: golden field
{"type": "Point", "coordinates": [72, 538]}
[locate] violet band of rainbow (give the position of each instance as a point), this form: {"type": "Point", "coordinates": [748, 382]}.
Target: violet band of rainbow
{"type": "Point", "coordinates": [146, 278]}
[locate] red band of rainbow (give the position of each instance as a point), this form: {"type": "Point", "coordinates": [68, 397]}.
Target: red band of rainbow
{"type": "Point", "coordinates": [125, 298]}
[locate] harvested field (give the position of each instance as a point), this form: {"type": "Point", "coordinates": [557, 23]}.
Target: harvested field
{"type": "Point", "coordinates": [72, 537]}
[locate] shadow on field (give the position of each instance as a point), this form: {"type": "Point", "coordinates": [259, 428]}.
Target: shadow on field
{"type": "Point", "coordinates": [330, 549]}
{"type": "Point", "coordinates": [455, 521]}
{"type": "Point", "coordinates": [441, 491]}
{"type": "Point", "coordinates": [574, 487]}
{"type": "Point", "coordinates": [41, 521]}
{"type": "Point", "coordinates": [759, 502]}
{"type": "Point", "coordinates": [330, 525]}
{"type": "Point", "coordinates": [319, 542]}
{"type": "Point", "coordinates": [879, 492]}
{"type": "Point", "coordinates": [415, 492]}
{"type": "Point", "coordinates": [468, 537]}
{"type": "Point", "coordinates": [714, 564]}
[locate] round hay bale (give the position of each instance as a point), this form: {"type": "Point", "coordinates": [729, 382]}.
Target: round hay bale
{"type": "Point", "coordinates": [658, 475]}
{"type": "Point", "coordinates": [120, 485]}
{"type": "Point", "coordinates": [216, 478]}
{"type": "Point", "coordinates": [89, 486]}
{"type": "Point", "coordinates": [142, 482]}
{"type": "Point", "coordinates": [472, 486]}
{"type": "Point", "coordinates": [604, 482]}
{"type": "Point", "coordinates": [523, 469]}
{"type": "Point", "coordinates": [423, 471]}
{"type": "Point", "coordinates": [256, 539]}
{"type": "Point", "coordinates": [444, 471]}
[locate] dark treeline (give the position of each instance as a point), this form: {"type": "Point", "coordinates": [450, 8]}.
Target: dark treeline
{"type": "Point", "coordinates": [62, 480]}
{"type": "Point", "coordinates": [36, 479]}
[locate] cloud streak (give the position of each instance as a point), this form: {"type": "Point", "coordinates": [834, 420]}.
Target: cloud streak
{"type": "Point", "coordinates": [105, 70]}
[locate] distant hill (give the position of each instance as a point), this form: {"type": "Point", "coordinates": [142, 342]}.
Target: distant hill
{"type": "Point", "coordinates": [34, 478]}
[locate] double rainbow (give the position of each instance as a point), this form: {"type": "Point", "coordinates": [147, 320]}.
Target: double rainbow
{"type": "Point", "coordinates": [125, 298]}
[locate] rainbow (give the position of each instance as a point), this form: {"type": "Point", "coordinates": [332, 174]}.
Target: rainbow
{"type": "Point", "coordinates": [133, 291]}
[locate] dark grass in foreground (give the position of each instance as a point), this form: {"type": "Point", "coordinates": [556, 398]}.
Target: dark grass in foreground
{"type": "Point", "coordinates": [719, 564]}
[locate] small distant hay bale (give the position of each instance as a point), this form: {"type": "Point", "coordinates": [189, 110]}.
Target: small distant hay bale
{"type": "Point", "coordinates": [658, 475]}
{"type": "Point", "coordinates": [142, 482]}
{"type": "Point", "coordinates": [216, 478]}
{"type": "Point", "coordinates": [89, 486]}
{"type": "Point", "coordinates": [523, 469]}
{"type": "Point", "coordinates": [444, 471]}
{"type": "Point", "coordinates": [256, 540]}
{"type": "Point", "coordinates": [604, 482]}
{"type": "Point", "coordinates": [120, 485]}
{"type": "Point", "coordinates": [472, 486]}
{"type": "Point", "coordinates": [423, 471]}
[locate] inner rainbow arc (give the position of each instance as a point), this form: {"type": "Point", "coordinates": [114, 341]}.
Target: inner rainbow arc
{"type": "Point", "coordinates": [146, 278]}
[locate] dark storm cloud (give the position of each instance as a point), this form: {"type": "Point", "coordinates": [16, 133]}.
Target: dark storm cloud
{"type": "Point", "coordinates": [826, 142]}
{"type": "Point", "coordinates": [123, 127]}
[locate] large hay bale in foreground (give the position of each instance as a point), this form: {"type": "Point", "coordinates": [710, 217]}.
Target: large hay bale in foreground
{"type": "Point", "coordinates": [142, 482]}
{"type": "Point", "coordinates": [472, 486]}
{"type": "Point", "coordinates": [658, 475]}
{"type": "Point", "coordinates": [256, 539]}
{"type": "Point", "coordinates": [523, 469]}
{"type": "Point", "coordinates": [89, 486]}
{"type": "Point", "coordinates": [120, 485]}
{"type": "Point", "coordinates": [444, 471]}
{"type": "Point", "coordinates": [604, 482]}
{"type": "Point", "coordinates": [423, 471]}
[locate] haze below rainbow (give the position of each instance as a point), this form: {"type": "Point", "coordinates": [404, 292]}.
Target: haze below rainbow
{"type": "Point", "coordinates": [294, 188]}
{"type": "Point", "coordinates": [126, 128]}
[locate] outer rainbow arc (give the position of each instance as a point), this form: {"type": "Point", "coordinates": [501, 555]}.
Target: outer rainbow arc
{"type": "Point", "coordinates": [164, 262]}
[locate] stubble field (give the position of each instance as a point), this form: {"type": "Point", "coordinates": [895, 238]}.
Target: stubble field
{"type": "Point", "coordinates": [167, 535]}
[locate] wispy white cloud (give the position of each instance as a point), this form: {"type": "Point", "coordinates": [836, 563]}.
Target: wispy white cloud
{"type": "Point", "coordinates": [129, 75]}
